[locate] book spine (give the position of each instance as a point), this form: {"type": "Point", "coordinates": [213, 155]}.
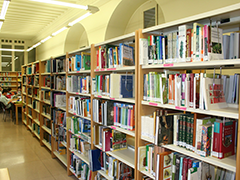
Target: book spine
{"type": "Point", "coordinates": [180, 141]}
{"type": "Point", "coordinates": [216, 140]}
{"type": "Point", "coordinates": [183, 90]}
{"type": "Point", "coordinates": [188, 45]}
{"type": "Point", "coordinates": [184, 129]}
{"type": "Point", "coordinates": [191, 90]}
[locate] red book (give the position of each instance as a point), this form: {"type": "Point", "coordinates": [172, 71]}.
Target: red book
{"type": "Point", "coordinates": [224, 139]}
{"type": "Point", "coordinates": [191, 90]}
{"type": "Point", "coordinates": [189, 163]}
{"type": "Point", "coordinates": [107, 137]}
{"type": "Point", "coordinates": [188, 44]}
{"type": "Point", "coordinates": [103, 57]}
{"type": "Point", "coordinates": [115, 113]}
{"type": "Point", "coordinates": [185, 168]}
{"type": "Point", "coordinates": [37, 68]}
{"type": "Point", "coordinates": [98, 57]}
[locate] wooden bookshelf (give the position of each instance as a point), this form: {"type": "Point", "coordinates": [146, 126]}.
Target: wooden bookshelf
{"type": "Point", "coordinates": [231, 163]}
{"type": "Point", "coordinates": [129, 156]}
{"type": "Point", "coordinates": [10, 79]}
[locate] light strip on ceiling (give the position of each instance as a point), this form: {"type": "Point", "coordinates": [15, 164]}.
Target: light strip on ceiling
{"type": "Point", "coordinates": [80, 18]}
{"type": "Point", "coordinates": [16, 50]}
{"type": "Point", "coordinates": [63, 4]}
{"type": "Point", "coordinates": [47, 38]}
{"type": "Point", "coordinates": [59, 31]}
{"type": "Point", "coordinates": [1, 23]}
{"type": "Point", "coordinates": [4, 9]}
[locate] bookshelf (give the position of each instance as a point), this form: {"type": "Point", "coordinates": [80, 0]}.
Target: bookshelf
{"type": "Point", "coordinates": [47, 83]}
{"type": "Point", "coordinates": [230, 163]}
{"type": "Point", "coordinates": [10, 79]}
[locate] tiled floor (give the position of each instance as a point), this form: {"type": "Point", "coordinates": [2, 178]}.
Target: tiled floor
{"type": "Point", "coordinates": [25, 159]}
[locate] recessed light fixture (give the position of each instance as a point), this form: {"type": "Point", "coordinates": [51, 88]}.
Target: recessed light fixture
{"type": "Point", "coordinates": [16, 50]}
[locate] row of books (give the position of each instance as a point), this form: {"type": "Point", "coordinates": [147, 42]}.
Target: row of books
{"type": "Point", "coordinates": [113, 168]}
{"type": "Point", "coordinates": [35, 92]}
{"type": "Point", "coordinates": [231, 46]}
{"type": "Point", "coordinates": [80, 84]}
{"type": "Point", "coordinates": [79, 145]}
{"type": "Point", "coordinates": [172, 165]}
{"type": "Point", "coordinates": [110, 56]}
{"type": "Point", "coordinates": [46, 109]}
{"type": "Point", "coordinates": [35, 68]}
{"type": "Point", "coordinates": [110, 113]}
{"type": "Point", "coordinates": [45, 95]}
{"type": "Point", "coordinates": [36, 80]}
{"type": "Point", "coordinates": [6, 84]}
{"type": "Point", "coordinates": [59, 117]}
{"type": "Point", "coordinates": [59, 100]}
{"type": "Point", "coordinates": [80, 168]}
{"type": "Point", "coordinates": [47, 122]}
{"type": "Point", "coordinates": [80, 105]}
{"type": "Point", "coordinates": [36, 128]}
{"type": "Point", "coordinates": [191, 90]}
{"type": "Point", "coordinates": [5, 74]}
{"type": "Point", "coordinates": [59, 82]}
{"type": "Point", "coordinates": [47, 66]}
{"type": "Point", "coordinates": [79, 62]}
{"type": "Point", "coordinates": [36, 104]}
{"type": "Point", "coordinates": [58, 65]}
{"type": "Point", "coordinates": [109, 139]}
{"type": "Point", "coordinates": [189, 44]}
{"type": "Point", "coordinates": [47, 137]}
{"type": "Point", "coordinates": [46, 81]}
{"type": "Point", "coordinates": [29, 70]}
{"type": "Point", "coordinates": [6, 79]}
{"type": "Point", "coordinates": [114, 85]}
{"type": "Point", "coordinates": [80, 125]}
{"type": "Point", "coordinates": [209, 137]}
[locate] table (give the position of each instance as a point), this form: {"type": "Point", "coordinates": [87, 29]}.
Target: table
{"type": "Point", "coordinates": [17, 105]}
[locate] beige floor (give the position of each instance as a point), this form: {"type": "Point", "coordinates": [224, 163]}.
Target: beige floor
{"type": "Point", "coordinates": [22, 154]}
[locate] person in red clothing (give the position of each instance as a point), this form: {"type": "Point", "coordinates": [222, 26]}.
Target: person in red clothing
{"type": "Point", "coordinates": [10, 93]}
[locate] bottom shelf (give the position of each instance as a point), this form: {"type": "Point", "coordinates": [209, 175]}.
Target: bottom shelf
{"type": "Point", "coordinates": [127, 156]}
{"type": "Point", "coordinates": [30, 127]}
{"type": "Point", "coordinates": [147, 174]}
{"type": "Point", "coordinates": [62, 158]}
{"type": "Point", "coordinates": [103, 173]}
{"type": "Point", "coordinates": [228, 163]}
{"type": "Point", "coordinates": [74, 173]}
{"type": "Point", "coordinates": [36, 134]}
{"type": "Point", "coordinates": [24, 121]}
{"type": "Point", "coordinates": [47, 144]}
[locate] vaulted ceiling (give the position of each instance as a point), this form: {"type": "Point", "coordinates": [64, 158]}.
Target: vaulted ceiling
{"type": "Point", "coordinates": [27, 19]}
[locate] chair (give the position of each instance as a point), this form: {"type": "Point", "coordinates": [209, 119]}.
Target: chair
{"type": "Point", "coordinates": [3, 108]}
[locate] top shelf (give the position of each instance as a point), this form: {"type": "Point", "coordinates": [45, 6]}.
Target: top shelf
{"type": "Point", "coordinates": [217, 14]}
{"type": "Point", "coordinates": [197, 65]}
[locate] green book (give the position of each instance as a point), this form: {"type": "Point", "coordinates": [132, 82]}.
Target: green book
{"type": "Point", "coordinates": [180, 130]}
{"type": "Point", "coordinates": [184, 122]}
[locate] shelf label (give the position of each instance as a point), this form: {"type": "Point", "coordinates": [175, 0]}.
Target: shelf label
{"type": "Point", "coordinates": [78, 71]}
{"type": "Point", "coordinates": [111, 69]}
{"type": "Point", "coordinates": [99, 96]}
{"type": "Point", "coordinates": [181, 108]}
{"type": "Point", "coordinates": [97, 69]}
{"type": "Point", "coordinates": [102, 70]}
{"type": "Point", "coordinates": [168, 65]}
{"type": "Point", "coordinates": [100, 148]}
{"type": "Point", "coordinates": [153, 104]}
{"type": "Point", "coordinates": [112, 98]}
{"type": "Point", "coordinates": [113, 127]}
{"type": "Point", "coordinates": [77, 93]}
{"type": "Point", "coordinates": [74, 114]}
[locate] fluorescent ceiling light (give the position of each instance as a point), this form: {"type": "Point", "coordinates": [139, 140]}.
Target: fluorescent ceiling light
{"type": "Point", "coordinates": [47, 38]}
{"type": "Point", "coordinates": [6, 55]}
{"type": "Point", "coordinates": [35, 45]}
{"type": "Point", "coordinates": [15, 58]}
{"type": "Point", "coordinates": [60, 30]}
{"type": "Point", "coordinates": [63, 4]}
{"type": "Point", "coordinates": [4, 8]}
{"type": "Point", "coordinates": [29, 49]}
{"type": "Point", "coordinates": [80, 18]}
{"type": "Point", "coordinates": [16, 50]}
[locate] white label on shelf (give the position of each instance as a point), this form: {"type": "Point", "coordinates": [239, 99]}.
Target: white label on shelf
{"type": "Point", "coordinates": [214, 153]}
{"type": "Point", "coordinates": [173, 169]}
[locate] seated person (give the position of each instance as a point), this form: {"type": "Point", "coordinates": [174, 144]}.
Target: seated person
{"type": "Point", "coordinates": [19, 91]}
{"type": "Point", "coordinates": [9, 93]}
{"type": "Point", "coordinates": [7, 102]}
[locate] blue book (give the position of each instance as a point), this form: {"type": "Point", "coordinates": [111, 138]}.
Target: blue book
{"type": "Point", "coordinates": [86, 126]}
{"type": "Point", "coordinates": [181, 167]}
{"type": "Point", "coordinates": [94, 160]}
{"type": "Point", "coordinates": [127, 86]}
{"type": "Point", "coordinates": [78, 62]}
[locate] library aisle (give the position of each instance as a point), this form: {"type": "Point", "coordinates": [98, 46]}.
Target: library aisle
{"type": "Point", "coordinates": [25, 159]}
